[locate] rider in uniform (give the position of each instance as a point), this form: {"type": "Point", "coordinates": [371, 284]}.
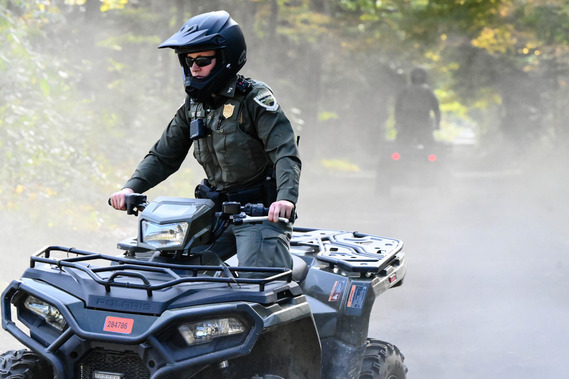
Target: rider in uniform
{"type": "Point", "coordinates": [413, 107]}
{"type": "Point", "coordinates": [241, 137]}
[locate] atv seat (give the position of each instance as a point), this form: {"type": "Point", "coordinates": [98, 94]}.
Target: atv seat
{"type": "Point", "coordinates": [299, 268]}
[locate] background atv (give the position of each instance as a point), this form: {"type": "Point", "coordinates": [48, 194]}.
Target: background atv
{"type": "Point", "coordinates": [414, 166]}
{"type": "Point", "coordinates": [163, 311]}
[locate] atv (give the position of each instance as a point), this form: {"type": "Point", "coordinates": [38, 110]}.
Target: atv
{"type": "Point", "coordinates": [168, 307]}
{"type": "Point", "coordinates": [420, 166]}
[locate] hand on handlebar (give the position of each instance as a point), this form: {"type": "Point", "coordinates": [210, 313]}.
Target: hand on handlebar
{"type": "Point", "coordinates": [281, 208]}
{"type": "Point", "coordinates": [283, 211]}
{"type": "Point", "coordinates": [117, 199]}
{"type": "Point", "coordinates": [128, 201]}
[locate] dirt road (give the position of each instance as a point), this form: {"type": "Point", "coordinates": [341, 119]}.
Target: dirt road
{"type": "Point", "coordinates": [486, 291]}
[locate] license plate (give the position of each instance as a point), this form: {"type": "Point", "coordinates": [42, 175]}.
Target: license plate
{"type": "Point", "coordinates": [118, 325]}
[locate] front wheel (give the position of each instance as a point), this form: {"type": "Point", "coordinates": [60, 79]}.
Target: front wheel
{"type": "Point", "coordinates": [382, 360]}
{"type": "Point", "coordinates": [23, 364]}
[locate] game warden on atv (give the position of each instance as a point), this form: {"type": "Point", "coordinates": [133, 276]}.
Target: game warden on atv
{"type": "Point", "coordinates": [160, 310]}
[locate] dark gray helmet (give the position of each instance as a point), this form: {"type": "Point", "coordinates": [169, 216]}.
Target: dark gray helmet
{"type": "Point", "coordinates": [210, 31]}
{"type": "Point", "coordinates": [419, 75]}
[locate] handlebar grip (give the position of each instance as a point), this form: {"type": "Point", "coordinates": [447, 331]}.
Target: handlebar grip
{"type": "Point", "coordinates": [255, 219]}
{"type": "Point", "coordinates": [134, 202]}
{"type": "Point", "coordinates": [257, 210]}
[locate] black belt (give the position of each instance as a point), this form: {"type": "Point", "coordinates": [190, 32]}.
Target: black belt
{"type": "Point", "coordinates": [264, 193]}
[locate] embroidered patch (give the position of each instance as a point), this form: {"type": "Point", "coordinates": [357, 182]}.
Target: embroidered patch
{"type": "Point", "coordinates": [267, 100]}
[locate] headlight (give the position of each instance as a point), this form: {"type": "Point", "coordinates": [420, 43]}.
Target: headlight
{"type": "Point", "coordinates": [204, 331]}
{"type": "Point", "coordinates": [164, 236]}
{"type": "Point", "coordinates": [48, 312]}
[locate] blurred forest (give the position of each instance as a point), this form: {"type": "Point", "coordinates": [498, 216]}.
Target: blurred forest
{"type": "Point", "coordinates": [85, 92]}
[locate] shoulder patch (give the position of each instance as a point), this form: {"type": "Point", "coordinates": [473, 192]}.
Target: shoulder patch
{"type": "Point", "coordinates": [267, 100]}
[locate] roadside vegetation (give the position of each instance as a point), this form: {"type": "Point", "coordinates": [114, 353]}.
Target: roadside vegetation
{"type": "Point", "coordinates": [84, 91]}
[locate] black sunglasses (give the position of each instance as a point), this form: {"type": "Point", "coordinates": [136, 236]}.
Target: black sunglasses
{"type": "Point", "coordinates": [200, 61]}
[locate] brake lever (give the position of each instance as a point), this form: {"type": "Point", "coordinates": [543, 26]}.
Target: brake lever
{"type": "Point", "coordinates": [135, 202]}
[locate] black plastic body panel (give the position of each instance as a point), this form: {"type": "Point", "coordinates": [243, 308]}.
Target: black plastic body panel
{"type": "Point", "coordinates": [320, 320]}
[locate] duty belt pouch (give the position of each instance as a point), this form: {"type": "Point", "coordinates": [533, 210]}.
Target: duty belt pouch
{"type": "Point", "coordinates": [204, 191]}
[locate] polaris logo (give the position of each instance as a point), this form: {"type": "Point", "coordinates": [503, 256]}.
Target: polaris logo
{"type": "Point", "coordinates": [124, 305]}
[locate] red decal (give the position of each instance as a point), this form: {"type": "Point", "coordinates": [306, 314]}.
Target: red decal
{"type": "Point", "coordinates": [118, 325]}
{"type": "Point", "coordinates": [351, 296]}
{"type": "Point", "coordinates": [336, 292]}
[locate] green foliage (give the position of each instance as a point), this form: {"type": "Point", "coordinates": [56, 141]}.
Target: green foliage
{"type": "Point", "coordinates": [324, 116]}
{"type": "Point", "coordinates": [108, 5]}
{"type": "Point", "coordinates": [339, 165]}
{"type": "Point", "coordinates": [30, 115]}
{"type": "Point", "coordinates": [53, 122]}
{"type": "Point", "coordinates": [85, 92]}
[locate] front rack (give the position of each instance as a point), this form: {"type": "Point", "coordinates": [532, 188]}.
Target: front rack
{"type": "Point", "coordinates": [83, 261]}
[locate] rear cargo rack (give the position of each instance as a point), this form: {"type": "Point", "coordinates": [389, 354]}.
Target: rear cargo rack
{"type": "Point", "coordinates": [349, 251]}
{"type": "Point", "coordinates": [84, 261]}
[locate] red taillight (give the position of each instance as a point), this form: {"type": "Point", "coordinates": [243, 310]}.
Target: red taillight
{"type": "Point", "coordinates": [395, 156]}
{"type": "Point", "coordinates": [432, 158]}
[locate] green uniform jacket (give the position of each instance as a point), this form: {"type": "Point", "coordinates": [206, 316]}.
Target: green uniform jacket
{"type": "Point", "coordinates": [247, 134]}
